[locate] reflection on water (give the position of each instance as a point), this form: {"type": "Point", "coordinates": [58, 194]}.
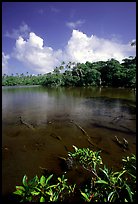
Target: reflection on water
{"type": "Point", "coordinates": [37, 104]}
{"type": "Point", "coordinates": [102, 112]}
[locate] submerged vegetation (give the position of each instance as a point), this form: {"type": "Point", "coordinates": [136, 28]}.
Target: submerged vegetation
{"type": "Point", "coordinates": [104, 185]}
{"type": "Point", "coordinates": [102, 73]}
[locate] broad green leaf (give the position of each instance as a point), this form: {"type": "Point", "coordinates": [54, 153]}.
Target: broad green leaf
{"type": "Point", "coordinates": [24, 181]}
{"type": "Point", "coordinates": [42, 199]}
{"type": "Point", "coordinates": [18, 192]}
{"type": "Point", "coordinates": [36, 178]}
{"type": "Point", "coordinates": [20, 188]}
{"type": "Point", "coordinates": [85, 196]}
{"type": "Point", "coordinates": [34, 181]}
{"type": "Point", "coordinates": [59, 179]}
{"type": "Point", "coordinates": [48, 179]}
{"type": "Point", "coordinates": [126, 200]}
{"type": "Point", "coordinates": [101, 181]}
{"type": "Point", "coordinates": [42, 180]}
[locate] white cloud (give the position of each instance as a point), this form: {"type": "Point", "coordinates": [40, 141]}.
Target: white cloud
{"type": "Point", "coordinates": [33, 53]}
{"type": "Point", "coordinates": [80, 48]}
{"type": "Point", "coordinates": [5, 59]}
{"type": "Point", "coordinates": [75, 24]}
{"type": "Point", "coordinates": [23, 30]}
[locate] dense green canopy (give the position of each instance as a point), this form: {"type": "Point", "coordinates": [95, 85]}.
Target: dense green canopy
{"type": "Point", "coordinates": [102, 73]}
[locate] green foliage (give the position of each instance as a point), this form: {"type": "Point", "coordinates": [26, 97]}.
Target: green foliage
{"type": "Point", "coordinates": [129, 164]}
{"type": "Point", "coordinates": [105, 184]}
{"type": "Point", "coordinates": [87, 158]}
{"type": "Point", "coordinates": [41, 190]}
{"type": "Point", "coordinates": [110, 186]}
{"type": "Point", "coordinates": [101, 73]}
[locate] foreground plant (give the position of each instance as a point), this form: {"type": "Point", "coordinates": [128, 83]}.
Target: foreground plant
{"type": "Point", "coordinates": [105, 185]}
{"type": "Point", "coordinates": [42, 190]}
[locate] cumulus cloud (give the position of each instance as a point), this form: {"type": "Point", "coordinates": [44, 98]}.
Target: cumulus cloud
{"type": "Point", "coordinates": [23, 30]}
{"type": "Point", "coordinates": [32, 52]}
{"type": "Point", "coordinates": [75, 24]}
{"type": "Point", "coordinates": [80, 48]}
{"type": "Point", "coordinates": [5, 59]}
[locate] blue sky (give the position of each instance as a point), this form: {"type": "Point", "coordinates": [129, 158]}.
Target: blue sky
{"type": "Point", "coordinates": [38, 36]}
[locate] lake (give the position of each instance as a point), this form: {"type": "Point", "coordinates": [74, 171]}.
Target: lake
{"type": "Point", "coordinates": [41, 124]}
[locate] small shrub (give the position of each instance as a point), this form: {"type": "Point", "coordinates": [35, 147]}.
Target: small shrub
{"type": "Point", "coordinates": [105, 186]}
{"type": "Point", "coordinates": [41, 190]}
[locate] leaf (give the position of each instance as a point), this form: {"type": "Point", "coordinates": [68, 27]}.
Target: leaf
{"type": "Point", "coordinates": [132, 175]}
{"type": "Point", "coordinates": [35, 193]}
{"type": "Point", "coordinates": [33, 182]}
{"type": "Point", "coordinates": [18, 192]}
{"type": "Point", "coordinates": [51, 198]}
{"type": "Point", "coordinates": [97, 153]}
{"type": "Point", "coordinates": [42, 180]}
{"type": "Point", "coordinates": [109, 196]}
{"type": "Point", "coordinates": [121, 174]}
{"type": "Point", "coordinates": [36, 188]}
{"type": "Point", "coordinates": [126, 200]}
{"type": "Point", "coordinates": [42, 199]}
{"type": "Point", "coordinates": [115, 174]}
{"type": "Point", "coordinates": [48, 179]}
{"type": "Point", "coordinates": [101, 181]}
{"type": "Point", "coordinates": [20, 188]}
{"type": "Point", "coordinates": [59, 179]}
{"type": "Point", "coordinates": [48, 192]}
{"type": "Point", "coordinates": [134, 167]}
{"type": "Point", "coordinates": [85, 196]}
{"type": "Point", "coordinates": [75, 147]}
{"type": "Point", "coordinates": [129, 192]}
{"type": "Point", "coordinates": [24, 181]}
{"type": "Point", "coordinates": [52, 186]}
{"type": "Point", "coordinates": [105, 173]}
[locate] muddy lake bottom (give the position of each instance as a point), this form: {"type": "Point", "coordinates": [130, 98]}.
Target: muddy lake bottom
{"type": "Point", "coordinates": [27, 151]}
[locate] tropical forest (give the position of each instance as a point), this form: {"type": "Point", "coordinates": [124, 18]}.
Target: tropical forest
{"type": "Point", "coordinates": [109, 73]}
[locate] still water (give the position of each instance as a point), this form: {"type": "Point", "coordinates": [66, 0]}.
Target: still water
{"type": "Point", "coordinates": [47, 128]}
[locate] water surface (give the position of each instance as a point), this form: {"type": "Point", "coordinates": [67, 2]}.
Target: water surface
{"type": "Point", "coordinates": [54, 113]}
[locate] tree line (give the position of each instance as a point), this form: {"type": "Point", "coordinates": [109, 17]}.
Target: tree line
{"type": "Point", "coordinates": [109, 73]}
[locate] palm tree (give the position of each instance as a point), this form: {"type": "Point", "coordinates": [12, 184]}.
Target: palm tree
{"type": "Point", "coordinates": [133, 43]}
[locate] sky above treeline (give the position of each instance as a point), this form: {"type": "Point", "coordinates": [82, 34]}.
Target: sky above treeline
{"type": "Point", "coordinates": [38, 36]}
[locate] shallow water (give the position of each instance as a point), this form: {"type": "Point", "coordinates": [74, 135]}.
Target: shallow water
{"type": "Point", "coordinates": [53, 113]}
